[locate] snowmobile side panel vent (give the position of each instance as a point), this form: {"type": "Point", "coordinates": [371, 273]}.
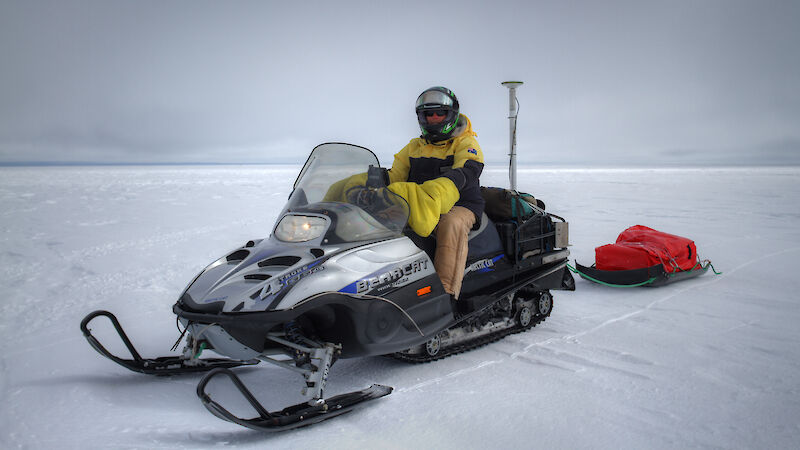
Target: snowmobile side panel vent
{"type": "Point", "coordinates": [238, 255]}
{"type": "Point", "coordinates": [286, 261]}
{"type": "Point", "coordinates": [258, 276]}
{"type": "Point", "coordinates": [317, 252]}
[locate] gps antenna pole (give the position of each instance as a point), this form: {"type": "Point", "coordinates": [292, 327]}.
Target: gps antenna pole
{"type": "Point", "coordinates": [513, 109]}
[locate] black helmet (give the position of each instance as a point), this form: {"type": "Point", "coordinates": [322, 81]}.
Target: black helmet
{"type": "Point", "coordinates": [442, 100]}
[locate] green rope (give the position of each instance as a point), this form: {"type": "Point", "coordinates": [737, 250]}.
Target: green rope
{"type": "Point", "coordinates": [712, 268]}
{"type": "Point", "coordinates": [699, 264]}
{"type": "Point", "coordinates": [574, 270]}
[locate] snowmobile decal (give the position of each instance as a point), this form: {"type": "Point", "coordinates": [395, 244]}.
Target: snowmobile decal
{"type": "Point", "coordinates": [297, 274]}
{"type": "Point", "coordinates": [281, 286]}
{"type": "Point", "coordinates": [384, 279]}
{"type": "Point", "coordinates": [483, 265]}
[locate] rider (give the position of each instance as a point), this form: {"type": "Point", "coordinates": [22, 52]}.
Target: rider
{"type": "Point", "coordinates": [437, 173]}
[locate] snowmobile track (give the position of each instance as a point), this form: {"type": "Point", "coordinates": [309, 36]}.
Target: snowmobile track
{"type": "Point", "coordinates": [466, 346]}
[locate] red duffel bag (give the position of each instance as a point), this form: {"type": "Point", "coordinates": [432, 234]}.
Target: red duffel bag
{"type": "Point", "coordinates": [640, 246]}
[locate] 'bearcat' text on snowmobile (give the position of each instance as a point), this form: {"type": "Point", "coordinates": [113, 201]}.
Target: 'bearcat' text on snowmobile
{"type": "Point", "coordinates": [345, 278]}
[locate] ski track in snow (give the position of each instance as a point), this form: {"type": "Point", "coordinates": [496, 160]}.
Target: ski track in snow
{"type": "Point", "coordinates": [715, 279]}
{"type": "Point", "coordinates": [609, 368]}
{"type": "Point", "coordinates": [573, 338]}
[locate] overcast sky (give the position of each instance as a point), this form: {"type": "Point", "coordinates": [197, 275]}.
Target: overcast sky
{"type": "Point", "coordinates": [606, 82]}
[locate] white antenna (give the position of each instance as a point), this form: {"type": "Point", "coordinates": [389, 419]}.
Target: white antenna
{"type": "Point", "coordinates": [513, 109]}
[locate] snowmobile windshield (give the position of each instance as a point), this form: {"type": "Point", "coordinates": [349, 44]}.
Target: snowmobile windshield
{"type": "Point", "coordinates": [332, 184]}
{"type": "Point", "coordinates": [327, 165]}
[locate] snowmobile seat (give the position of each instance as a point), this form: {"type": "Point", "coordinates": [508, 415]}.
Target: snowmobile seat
{"type": "Point", "coordinates": [485, 240]}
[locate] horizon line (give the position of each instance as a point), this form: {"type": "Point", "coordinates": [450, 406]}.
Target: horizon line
{"type": "Point", "coordinates": [486, 164]}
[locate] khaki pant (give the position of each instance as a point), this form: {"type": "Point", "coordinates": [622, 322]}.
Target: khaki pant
{"type": "Point", "coordinates": [452, 247]}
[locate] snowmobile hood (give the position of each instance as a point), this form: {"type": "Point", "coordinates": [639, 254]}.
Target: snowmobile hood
{"type": "Point", "coordinates": [300, 259]}
{"type": "Point", "coordinates": [248, 275]}
{"type": "Point", "coordinates": [271, 275]}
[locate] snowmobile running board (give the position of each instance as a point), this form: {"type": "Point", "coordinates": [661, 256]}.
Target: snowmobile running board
{"type": "Point", "coordinates": [165, 365]}
{"type": "Point", "coordinates": [300, 415]}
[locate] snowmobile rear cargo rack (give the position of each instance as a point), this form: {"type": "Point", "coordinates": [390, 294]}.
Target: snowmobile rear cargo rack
{"type": "Point", "coordinates": [533, 235]}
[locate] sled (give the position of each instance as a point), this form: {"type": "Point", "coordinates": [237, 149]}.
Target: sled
{"type": "Point", "coordinates": [643, 256]}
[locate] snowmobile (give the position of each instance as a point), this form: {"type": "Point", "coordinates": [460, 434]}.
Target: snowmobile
{"type": "Point", "coordinates": [345, 279]}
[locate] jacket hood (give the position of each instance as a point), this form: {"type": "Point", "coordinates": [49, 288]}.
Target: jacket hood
{"type": "Point", "coordinates": [464, 127]}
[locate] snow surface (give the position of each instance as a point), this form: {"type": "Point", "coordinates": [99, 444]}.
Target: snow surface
{"type": "Point", "coordinates": [711, 362]}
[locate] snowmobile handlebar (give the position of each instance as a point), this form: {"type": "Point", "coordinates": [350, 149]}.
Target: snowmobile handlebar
{"type": "Point", "coordinates": [377, 177]}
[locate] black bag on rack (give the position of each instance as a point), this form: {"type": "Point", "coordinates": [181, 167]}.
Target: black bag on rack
{"type": "Point", "coordinates": [503, 204]}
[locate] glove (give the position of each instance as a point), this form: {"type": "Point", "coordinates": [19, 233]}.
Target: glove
{"type": "Point", "coordinates": [371, 200]}
{"type": "Point", "coordinates": [382, 204]}
{"type": "Point", "coordinates": [338, 191]}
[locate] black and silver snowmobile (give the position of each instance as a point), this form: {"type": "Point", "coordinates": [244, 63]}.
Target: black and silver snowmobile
{"type": "Point", "coordinates": [346, 279]}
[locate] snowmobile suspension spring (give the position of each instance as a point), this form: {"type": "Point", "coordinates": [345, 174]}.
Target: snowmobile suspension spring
{"type": "Point", "coordinates": [295, 335]}
{"type": "Point", "coordinates": [293, 332]}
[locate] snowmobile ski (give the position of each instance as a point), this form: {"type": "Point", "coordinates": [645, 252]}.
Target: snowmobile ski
{"type": "Point", "coordinates": [164, 365]}
{"type": "Point", "coordinates": [300, 415]}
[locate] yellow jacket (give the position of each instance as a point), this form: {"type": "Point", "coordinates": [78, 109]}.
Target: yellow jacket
{"type": "Point", "coordinates": [435, 176]}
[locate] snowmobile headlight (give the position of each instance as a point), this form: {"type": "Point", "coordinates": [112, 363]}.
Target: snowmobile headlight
{"type": "Point", "coordinates": [300, 228]}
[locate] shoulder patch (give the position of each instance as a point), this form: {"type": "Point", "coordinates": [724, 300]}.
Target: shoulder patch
{"type": "Point", "coordinates": [473, 151]}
